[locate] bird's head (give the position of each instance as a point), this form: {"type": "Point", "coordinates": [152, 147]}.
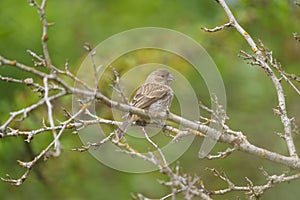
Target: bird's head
{"type": "Point", "coordinates": [160, 76]}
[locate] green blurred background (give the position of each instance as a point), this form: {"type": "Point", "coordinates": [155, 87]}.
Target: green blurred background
{"type": "Point", "coordinates": [250, 94]}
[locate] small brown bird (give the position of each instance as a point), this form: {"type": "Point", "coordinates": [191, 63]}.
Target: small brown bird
{"type": "Point", "coordinates": [155, 95]}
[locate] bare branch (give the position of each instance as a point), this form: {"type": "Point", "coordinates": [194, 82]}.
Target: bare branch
{"type": "Point", "coordinates": [44, 38]}
{"type": "Point", "coordinates": [26, 110]}
{"type": "Point", "coordinates": [95, 145]}
{"type": "Point", "coordinates": [259, 59]}
{"type": "Point", "coordinates": [223, 154]}
{"type": "Point", "coordinates": [217, 28]}
{"type": "Point", "coordinates": [178, 181]}
{"type": "Point", "coordinates": [236, 25]}
{"type": "Point", "coordinates": [92, 53]}
{"type": "Point", "coordinates": [57, 146]}
{"type": "Point", "coordinates": [117, 86]}
{"type": "Point", "coordinates": [29, 165]}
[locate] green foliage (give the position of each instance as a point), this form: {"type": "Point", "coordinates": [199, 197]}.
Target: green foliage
{"type": "Point", "coordinates": [250, 94]}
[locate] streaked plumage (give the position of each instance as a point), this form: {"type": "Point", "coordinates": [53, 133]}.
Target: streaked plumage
{"type": "Point", "coordinates": [154, 95]}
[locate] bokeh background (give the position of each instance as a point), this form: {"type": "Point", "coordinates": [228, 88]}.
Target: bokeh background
{"type": "Point", "coordinates": [250, 94]}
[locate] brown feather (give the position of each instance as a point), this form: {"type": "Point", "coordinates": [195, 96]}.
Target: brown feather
{"type": "Point", "coordinates": [148, 94]}
{"type": "Point", "coordinates": [154, 95]}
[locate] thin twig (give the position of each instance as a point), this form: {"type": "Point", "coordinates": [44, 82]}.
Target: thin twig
{"type": "Point", "coordinates": [29, 165]}
{"type": "Point", "coordinates": [96, 69]}
{"type": "Point", "coordinates": [223, 154]}
{"type": "Point", "coordinates": [45, 24]}
{"type": "Point", "coordinates": [57, 146]}
{"type": "Point", "coordinates": [217, 28]}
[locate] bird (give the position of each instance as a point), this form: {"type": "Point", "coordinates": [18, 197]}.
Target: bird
{"type": "Point", "coordinates": [155, 95]}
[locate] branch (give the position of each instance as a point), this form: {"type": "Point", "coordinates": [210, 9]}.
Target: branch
{"type": "Point", "coordinates": [240, 141]}
{"type": "Point", "coordinates": [189, 186]}
{"type": "Point", "coordinates": [253, 191]}
{"type": "Point", "coordinates": [260, 59]}
{"type": "Point", "coordinates": [92, 53]}
{"type": "Point", "coordinates": [236, 25]}
{"type": "Point", "coordinates": [45, 24]}
{"type": "Point", "coordinates": [25, 111]}
{"type": "Point", "coordinates": [179, 182]}
{"type": "Point", "coordinates": [217, 28]}
{"type": "Point", "coordinates": [224, 154]}
{"type": "Point", "coordinates": [45, 152]}
{"type": "Point", "coordinates": [57, 146]}
{"type": "Point", "coordinates": [234, 138]}
{"type": "Point", "coordinates": [116, 86]}
{"type": "Point", "coordinates": [237, 139]}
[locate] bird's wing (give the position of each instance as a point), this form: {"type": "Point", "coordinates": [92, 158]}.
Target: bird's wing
{"type": "Point", "coordinates": [149, 93]}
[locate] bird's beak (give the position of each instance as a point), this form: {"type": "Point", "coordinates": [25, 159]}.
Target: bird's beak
{"type": "Point", "coordinates": [171, 78]}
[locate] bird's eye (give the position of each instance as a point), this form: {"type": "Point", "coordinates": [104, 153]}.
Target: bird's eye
{"type": "Point", "coordinates": [163, 76]}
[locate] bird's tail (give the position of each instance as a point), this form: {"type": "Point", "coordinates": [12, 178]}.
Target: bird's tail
{"type": "Point", "coordinates": [120, 132]}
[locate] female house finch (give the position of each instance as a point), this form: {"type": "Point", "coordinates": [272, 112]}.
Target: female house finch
{"type": "Point", "coordinates": [155, 95]}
